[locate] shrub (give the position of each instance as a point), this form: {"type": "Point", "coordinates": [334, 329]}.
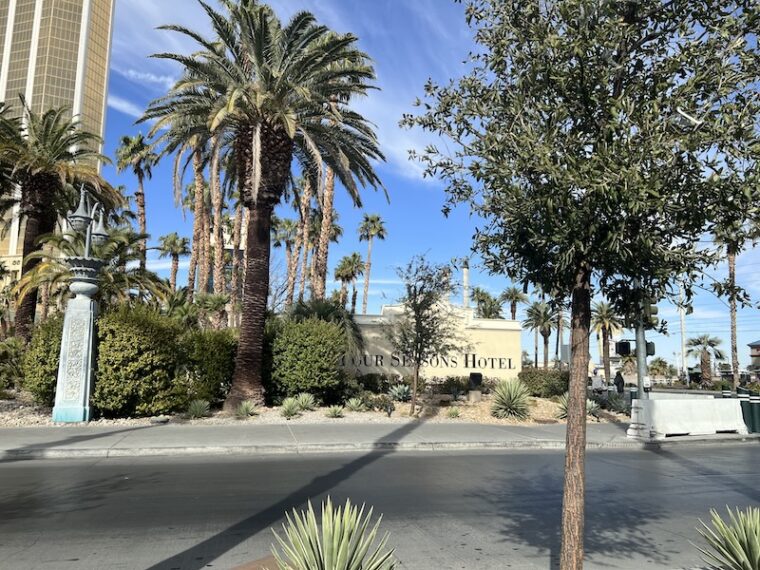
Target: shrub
{"type": "Point", "coordinates": [545, 383]}
{"type": "Point", "coordinates": [209, 362]}
{"type": "Point", "coordinates": [5, 395]}
{"type": "Point", "coordinates": [616, 403]}
{"type": "Point", "coordinates": [11, 355]}
{"type": "Point", "coordinates": [355, 405]}
{"type": "Point", "coordinates": [345, 540]}
{"type": "Point", "coordinates": [400, 393]}
{"type": "Point", "coordinates": [138, 362]}
{"type": "Point", "coordinates": [453, 412]}
{"type": "Point", "coordinates": [290, 408]}
{"type": "Point", "coordinates": [511, 400]}
{"type": "Point", "coordinates": [305, 357]}
{"type": "Point", "coordinates": [592, 408]}
{"type": "Point", "coordinates": [334, 412]}
{"type": "Point", "coordinates": [382, 403]}
{"type": "Point", "coordinates": [375, 383]}
{"type": "Point", "coordinates": [734, 545]}
{"type": "Point", "coordinates": [198, 409]}
{"type": "Point", "coordinates": [40, 361]}
{"type": "Point", "coordinates": [246, 409]}
{"type": "Point", "coordinates": [306, 402]}
{"type": "Point", "coordinates": [753, 387]}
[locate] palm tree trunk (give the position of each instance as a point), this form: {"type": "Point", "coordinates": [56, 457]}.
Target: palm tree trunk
{"type": "Point", "coordinates": [574, 491]}
{"type": "Point", "coordinates": [205, 258]}
{"type": "Point", "coordinates": [244, 268]}
{"type": "Point", "coordinates": [217, 201]}
{"type": "Point", "coordinates": [606, 354]}
{"type": "Point", "coordinates": [293, 272]}
{"type": "Point", "coordinates": [45, 302]}
{"type": "Point", "coordinates": [319, 279]}
{"type": "Point", "coordinates": [367, 268]}
{"type": "Point", "coordinates": [195, 252]}
{"type": "Point", "coordinates": [560, 332]}
{"type": "Point", "coordinates": [141, 218]}
{"type": "Point", "coordinates": [235, 277]}
{"type": "Point", "coordinates": [173, 272]}
{"type": "Point", "coordinates": [732, 305]}
{"type": "Point", "coordinates": [304, 210]}
{"type": "Point", "coordinates": [304, 271]}
{"type": "Point", "coordinates": [353, 297]}
{"type": "Point", "coordinates": [513, 310]}
{"type": "Point", "coordinates": [535, 348]}
{"type": "Point", "coordinates": [705, 368]}
{"type": "Point", "coordinates": [546, 351]}
{"type": "Point", "coordinates": [343, 293]}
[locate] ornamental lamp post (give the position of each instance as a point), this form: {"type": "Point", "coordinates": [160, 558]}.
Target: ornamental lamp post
{"type": "Point", "coordinates": [77, 359]}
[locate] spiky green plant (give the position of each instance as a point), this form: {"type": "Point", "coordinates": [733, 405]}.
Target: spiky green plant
{"type": "Point", "coordinates": [199, 409]}
{"type": "Point", "coordinates": [306, 402]}
{"type": "Point", "coordinates": [355, 405]}
{"type": "Point", "coordinates": [511, 399]}
{"type": "Point", "coordinates": [733, 545]}
{"type": "Point", "coordinates": [592, 408]}
{"type": "Point", "coordinates": [400, 393]}
{"type": "Point", "coordinates": [290, 408]}
{"type": "Point", "coordinates": [342, 540]}
{"type": "Point", "coordinates": [453, 412]}
{"type": "Point", "coordinates": [334, 412]}
{"type": "Point", "coordinates": [616, 403]}
{"type": "Point", "coordinates": [246, 409]}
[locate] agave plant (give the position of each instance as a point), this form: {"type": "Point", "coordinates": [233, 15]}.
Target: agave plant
{"type": "Point", "coordinates": [734, 545]}
{"type": "Point", "coordinates": [306, 402]}
{"type": "Point", "coordinates": [592, 407]}
{"type": "Point", "coordinates": [453, 412]}
{"type": "Point", "coordinates": [355, 405]}
{"type": "Point", "coordinates": [290, 408]}
{"type": "Point", "coordinates": [511, 399]}
{"type": "Point", "coordinates": [343, 541]}
{"type": "Point", "coordinates": [246, 409]}
{"type": "Point", "coordinates": [400, 392]}
{"type": "Point", "coordinates": [334, 412]}
{"type": "Point", "coordinates": [199, 409]}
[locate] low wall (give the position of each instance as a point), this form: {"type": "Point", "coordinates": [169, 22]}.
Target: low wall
{"type": "Point", "coordinates": [659, 418]}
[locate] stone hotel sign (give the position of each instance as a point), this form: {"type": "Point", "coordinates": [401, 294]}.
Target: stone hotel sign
{"type": "Point", "coordinates": [494, 348]}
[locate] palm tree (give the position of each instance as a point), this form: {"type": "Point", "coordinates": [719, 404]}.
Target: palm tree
{"type": "Point", "coordinates": [334, 233]}
{"type": "Point", "coordinates": [270, 90]}
{"type": "Point", "coordinates": [136, 153]}
{"type": "Point", "coordinates": [48, 151]}
{"type": "Point", "coordinates": [285, 234]}
{"type": "Point", "coordinates": [344, 275]}
{"type": "Point", "coordinates": [659, 367]}
{"type": "Point", "coordinates": [705, 347]}
{"type": "Point", "coordinates": [540, 317]}
{"type": "Point", "coordinates": [173, 246]}
{"type": "Point", "coordinates": [514, 296]}
{"type": "Point", "coordinates": [372, 227]}
{"type": "Point", "coordinates": [354, 266]}
{"type": "Point", "coordinates": [606, 323]}
{"type": "Point", "coordinates": [486, 305]}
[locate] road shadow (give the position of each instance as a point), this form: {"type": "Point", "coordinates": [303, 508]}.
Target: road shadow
{"type": "Point", "coordinates": [614, 526]}
{"type": "Point", "coordinates": [27, 452]}
{"type": "Point", "coordinates": [202, 554]}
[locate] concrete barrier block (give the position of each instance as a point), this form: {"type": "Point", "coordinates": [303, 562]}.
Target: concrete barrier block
{"type": "Point", "coordinates": [658, 419]}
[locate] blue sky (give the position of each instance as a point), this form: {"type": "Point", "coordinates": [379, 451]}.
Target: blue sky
{"type": "Point", "coordinates": [410, 41]}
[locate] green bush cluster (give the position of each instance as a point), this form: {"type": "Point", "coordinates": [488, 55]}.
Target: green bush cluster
{"type": "Point", "coordinates": [40, 361]}
{"type": "Point", "coordinates": [209, 363]}
{"type": "Point", "coordinates": [305, 358]}
{"type": "Point", "coordinates": [545, 383]}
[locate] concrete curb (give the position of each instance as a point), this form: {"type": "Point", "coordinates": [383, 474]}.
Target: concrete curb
{"type": "Point", "coordinates": [317, 448]}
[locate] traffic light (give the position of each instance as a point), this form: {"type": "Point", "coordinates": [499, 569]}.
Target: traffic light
{"type": "Point", "coordinates": [650, 315]}
{"type": "Point", "coordinates": [623, 348]}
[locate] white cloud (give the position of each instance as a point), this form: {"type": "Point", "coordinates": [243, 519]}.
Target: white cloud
{"type": "Point", "coordinates": [124, 106]}
{"type": "Point", "coordinates": [143, 77]}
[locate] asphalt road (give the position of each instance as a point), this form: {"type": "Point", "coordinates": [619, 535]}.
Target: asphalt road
{"type": "Point", "coordinates": [443, 510]}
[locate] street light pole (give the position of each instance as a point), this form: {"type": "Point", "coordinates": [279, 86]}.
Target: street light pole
{"type": "Point", "coordinates": [77, 357]}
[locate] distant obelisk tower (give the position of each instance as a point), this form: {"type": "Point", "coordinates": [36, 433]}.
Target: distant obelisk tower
{"type": "Point", "coordinates": [466, 283]}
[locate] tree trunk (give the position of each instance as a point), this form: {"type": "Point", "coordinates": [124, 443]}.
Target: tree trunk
{"type": "Point", "coordinates": [305, 211]}
{"type": "Point", "coordinates": [606, 354]}
{"type": "Point", "coordinates": [367, 268]}
{"type": "Point", "coordinates": [173, 272]}
{"type": "Point", "coordinates": [204, 261]}
{"type": "Point", "coordinates": [546, 351]}
{"type": "Point", "coordinates": [558, 347]}
{"type": "Point", "coordinates": [45, 302]}
{"type": "Point", "coordinates": [304, 272]}
{"type": "Point", "coordinates": [353, 297]}
{"type": "Point", "coordinates": [513, 309]}
{"type": "Point", "coordinates": [704, 365]}
{"type": "Point", "coordinates": [732, 305]}
{"type": "Point", "coordinates": [573, 498]}
{"type": "Point", "coordinates": [535, 349]}
{"type": "Point", "coordinates": [343, 293]}
{"type": "Point", "coordinates": [217, 202]}
{"type": "Point", "coordinates": [415, 382]}
{"type": "Point", "coordinates": [235, 277]}
{"type": "Point", "coordinates": [293, 272]}
{"type": "Point", "coordinates": [319, 279]}
{"type": "Point", "coordinates": [197, 246]}
{"type": "Point", "coordinates": [141, 219]}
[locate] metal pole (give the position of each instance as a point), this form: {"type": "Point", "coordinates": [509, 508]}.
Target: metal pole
{"type": "Point", "coordinates": [641, 348]}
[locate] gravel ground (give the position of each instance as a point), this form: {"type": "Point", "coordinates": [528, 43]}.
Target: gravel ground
{"type": "Point", "coordinates": [22, 412]}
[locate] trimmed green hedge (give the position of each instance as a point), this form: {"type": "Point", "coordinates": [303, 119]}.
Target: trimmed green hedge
{"type": "Point", "coordinates": [545, 383]}
{"type": "Point", "coordinates": [40, 361]}
{"type": "Point", "coordinates": [209, 363]}
{"type": "Point", "coordinates": [305, 357]}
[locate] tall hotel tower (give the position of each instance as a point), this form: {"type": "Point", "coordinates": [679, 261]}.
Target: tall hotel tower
{"type": "Point", "coordinates": [56, 53]}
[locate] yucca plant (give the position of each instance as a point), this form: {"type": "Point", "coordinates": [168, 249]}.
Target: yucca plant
{"type": "Point", "coordinates": [511, 399]}
{"type": "Point", "coordinates": [400, 392]}
{"type": "Point", "coordinates": [306, 402]}
{"type": "Point", "coordinates": [246, 409]}
{"type": "Point", "coordinates": [355, 405]}
{"type": "Point", "coordinates": [592, 408]}
{"type": "Point", "coordinates": [733, 545]}
{"type": "Point", "coordinates": [334, 412]}
{"type": "Point", "coordinates": [199, 409]}
{"type": "Point", "coordinates": [453, 413]}
{"type": "Point", "coordinates": [290, 408]}
{"type": "Point", "coordinates": [342, 540]}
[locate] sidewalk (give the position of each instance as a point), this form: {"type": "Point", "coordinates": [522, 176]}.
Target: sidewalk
{"type": "Point", "coordinates": [252, 439]}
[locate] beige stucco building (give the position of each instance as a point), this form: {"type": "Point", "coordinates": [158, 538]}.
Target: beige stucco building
{"type": "Point", "coordinates": [493, 347]}
{"type": "Point", "coordinates": [56, 53]}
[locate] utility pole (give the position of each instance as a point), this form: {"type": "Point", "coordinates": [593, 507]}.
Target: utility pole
{"type": "Point", "coordinates": [682, 316]}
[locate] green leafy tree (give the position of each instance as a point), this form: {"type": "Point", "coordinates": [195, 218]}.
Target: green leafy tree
{"type": "Point", "coordinates": [540, 317]}
{"type": "Point", "coordinates": [606, 323]}
{"type": "Point", "coordinates": [514, 296]}
{"type": "Point", "coordinates": [426, 327]}
{"type": "Point", "coordinates": [562, 139]}
{"type": "Point", "coordinates": [174, 247]}
{"type": "Point", "coordinates": [371, 228]}
{"type": "Point", "coordinates": [705, 347]}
